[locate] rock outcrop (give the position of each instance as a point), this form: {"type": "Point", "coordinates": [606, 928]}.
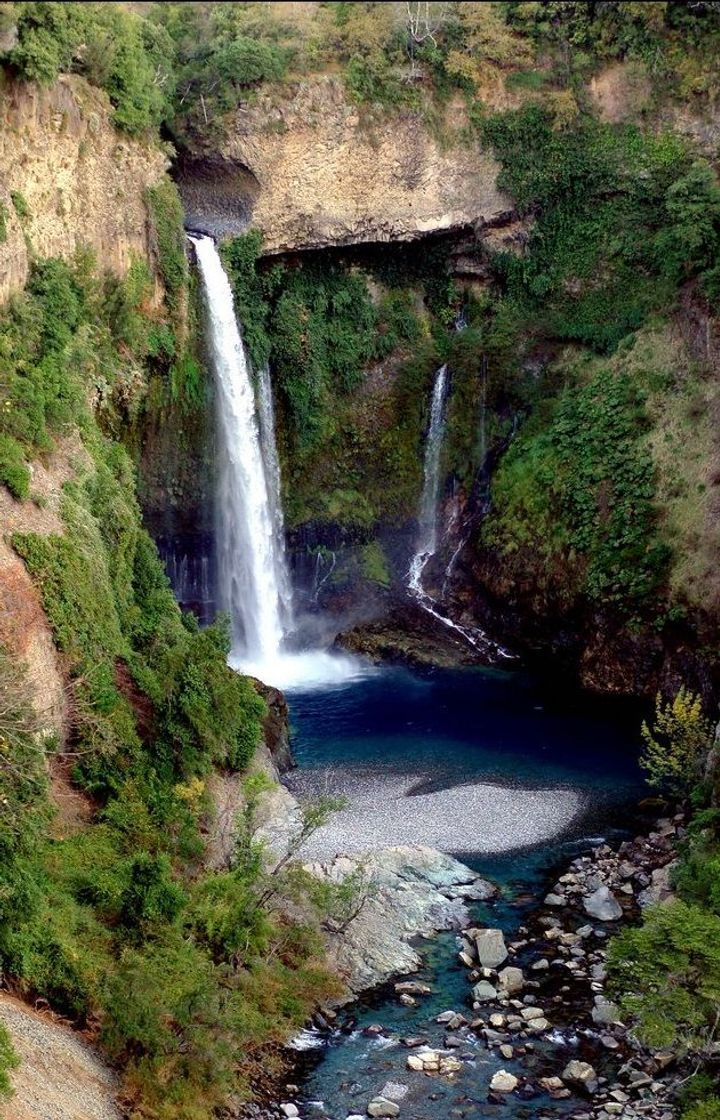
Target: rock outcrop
{"type": "Point", "coordinates": [81, 182]}
{"type": "Point", "coordinates": [311, 173]}
{"type": "Point", "coordinates": [402, 893]}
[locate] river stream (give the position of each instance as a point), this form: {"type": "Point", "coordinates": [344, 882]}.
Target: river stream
{"type": "Point", "coordinates": [465, 746]}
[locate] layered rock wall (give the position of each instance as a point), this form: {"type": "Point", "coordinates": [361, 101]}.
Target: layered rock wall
{"type": "Point", "coordinates": [83, 182]}
{"type": "Point", "coordinates": [311, 172]}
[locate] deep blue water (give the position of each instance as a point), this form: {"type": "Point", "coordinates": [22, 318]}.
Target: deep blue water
{"type": "Point", "coordinates": [456, 727]}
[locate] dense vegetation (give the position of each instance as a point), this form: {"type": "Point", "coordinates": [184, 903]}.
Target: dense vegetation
{"type": "Point", "coordinates": [665, 972]}
{"type": "Point", "coordinates": [186, 65]}
{"type": "Point", "coordinates": [598, 504]}
{"type": "Point", "coordinates": [110, 915]}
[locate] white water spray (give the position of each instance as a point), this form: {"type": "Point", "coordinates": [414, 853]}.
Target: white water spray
{"type": "Point", "coordinates": [254, 582]}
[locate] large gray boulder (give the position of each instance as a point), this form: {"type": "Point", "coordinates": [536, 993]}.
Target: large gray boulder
{"type": "Point", "coordinates": [603, 905]}
{"type": "Point", "coordinates": [660, 888]}
{"type": "Point", "coordinates": [483, 992]}
{"type": "Point", "coordinates": [490, 945]}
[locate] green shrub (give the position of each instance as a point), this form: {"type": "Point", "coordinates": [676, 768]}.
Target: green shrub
{"type": "Point", "coordinates": [4, 215]}
{"type": "Point", "coordinates": [666, 974]}
{"type": "Point", "coordinates": [166, 215]}
{"type": "Point", "coordinates": [20, 204]}
{"type": "Point", "coordinates": [708, 1109]}
{"type": "Point", "coordinates": [8, 1061]}
{"type": "Point", "coordinates": [14, 471]}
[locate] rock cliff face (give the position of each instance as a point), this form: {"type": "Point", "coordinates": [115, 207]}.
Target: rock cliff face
{"type": "Point", "coordinates": [82, 182]}
{"type": "Point", "coordinates": [311, 173]}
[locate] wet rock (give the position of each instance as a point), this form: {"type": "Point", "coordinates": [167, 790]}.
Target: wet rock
{"type": "Point", "coordinates": [506, 1051]}
{"type": "Point", "coordinates": [490, 947]}
{"type": "Point", "coordinates": [604, 1013]}
{"type": "Point", "coordinates": [382, 1107]}
{"type": "Point", "coordinates": [553, 899]}
{"type": "Point", "coordinates": [413, 1043]}
{"type": "Point", "coordinates": [541, 965]}
{"type": "Point", "coordinates": [483, 992]}
{"type": "Point", "coordinates": [581, 1074]}
{"type": "Point", "coordinates": [511, 980]}
{"type": "Point", "coordinates": [503, 1082]}
{"type": "Point", "coordinates": [289, 1109]}
{"type": "Point", "coordinates": [603, 905]}
{"type": "Point", "coordinates": [551, 1084]}
{"type": "Point", "coordinates": [532, 1013]}
{"type": "Point", "coordinates": [407, 1000]}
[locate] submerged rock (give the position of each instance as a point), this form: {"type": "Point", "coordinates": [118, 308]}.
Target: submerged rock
{"type": "Point", "coordinates": [380, 1106]}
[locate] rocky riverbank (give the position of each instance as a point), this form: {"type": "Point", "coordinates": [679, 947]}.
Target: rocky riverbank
{"type": "Point", "coordinates": [548, 986]}
{"type": "Point", "coordinates": [536, 1020]}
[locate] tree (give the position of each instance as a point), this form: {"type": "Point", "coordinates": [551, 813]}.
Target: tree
{"type": "Point", "coordinates": [677, 744]}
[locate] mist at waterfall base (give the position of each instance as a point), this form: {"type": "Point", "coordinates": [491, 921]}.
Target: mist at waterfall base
{"type": "Point", "coordinates": [447, 732]}
{"type": "Point", "coordinates": [253, 578]}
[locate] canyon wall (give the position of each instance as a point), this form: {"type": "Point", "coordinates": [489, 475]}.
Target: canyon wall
{"type": "Point", "coordinates": [78, 181]}
{"type": "Point", "coordinates": [312, 172]}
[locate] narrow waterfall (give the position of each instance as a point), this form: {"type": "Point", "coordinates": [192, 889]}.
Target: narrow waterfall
{"type": "Point", "coordinates": [427, 520]}
{"type": "Point", "coordinates": [268, 445]}
{"type": "Point", "coordinates": [427, 542]}
{"type": "Point", "coordinates": [253, 577]}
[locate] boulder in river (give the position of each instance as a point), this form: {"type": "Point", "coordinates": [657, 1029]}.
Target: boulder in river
{"type": "Point", "coordinates": [511, 980]}
{"type": "Point", "coordinates": [503, 1082]}
{"type": "Point", "coordinates": [483, 992]}
{"type": "Point", "coordinates": [491, 949]}
{"type": "Point", "coordinates": [581, 1074]}
{"type": "Point", "coordinates": [603, 905]}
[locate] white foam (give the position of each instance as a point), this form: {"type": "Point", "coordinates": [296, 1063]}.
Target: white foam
{"type": "Point", "coordinates": [306, 671]}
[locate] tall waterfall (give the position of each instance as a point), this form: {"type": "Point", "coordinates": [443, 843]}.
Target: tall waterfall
{"type": "Point", "coordinates": [427, 541]}
{"type": "Point", "coordinates": [253, 577]}
{"type": "Point", "coordinates": [253, 573]}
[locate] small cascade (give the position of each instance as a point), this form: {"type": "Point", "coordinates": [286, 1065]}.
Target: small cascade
{"type": "Point", "coordinates": [254, 584]}
{"type": "Point", "coordinates": [427, 520]}
{"type": "Point", "coordinates": [427, 543]}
